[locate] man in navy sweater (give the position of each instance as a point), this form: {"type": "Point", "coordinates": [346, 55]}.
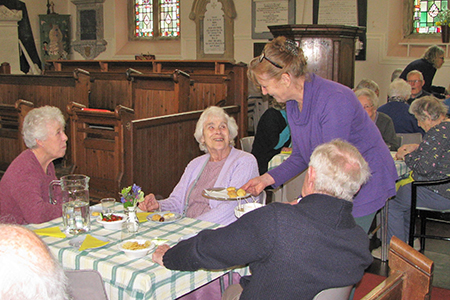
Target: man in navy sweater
{"type": "Point", "coordinates": [293, 251]}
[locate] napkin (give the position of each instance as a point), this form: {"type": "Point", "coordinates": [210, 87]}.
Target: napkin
{"type": "Point", "coordinates": [91, 242]}
{"type": "Point", "coordinates": [142, 216]}
{"type": "Point", "coordinates": [51, 231]}
{"type": "Point", "coordinates": [286, 152]}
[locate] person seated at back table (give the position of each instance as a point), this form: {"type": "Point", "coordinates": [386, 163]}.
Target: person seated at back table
{"type": "Point", "coordinates": [294, 251]}
{"type": "Point", "coordinates": [366, 83]}
{"type": "Point", "coordinates": [24, 196]}
{"type": "Point", "coordinates": [432, 59]}
{"type": "Point", "coordinates": [397, 108]}
{"type": "Point", "coordinates": [28, 271]}
{"type": "Point", "coordinates": [272, 135]}
{"type": "Point", "coordinates": [369, 101]}
{"type": "Point", "coordinates": [428, 160]}
{"type": "Point", "coordinates": [221, 166]}
{"type": "Point", "coordinates": [415, 79]}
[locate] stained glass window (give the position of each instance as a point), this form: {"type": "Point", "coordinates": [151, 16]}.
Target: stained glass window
{"type": "Point", "coordinates": [156, 18]}
{"type": "Point", "coordinates": [425, 12]}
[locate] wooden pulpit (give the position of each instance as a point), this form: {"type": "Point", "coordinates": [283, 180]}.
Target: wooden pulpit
{"type": "Point", "coordinates": [330, 49]}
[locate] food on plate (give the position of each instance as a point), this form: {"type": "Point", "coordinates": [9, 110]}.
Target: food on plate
{"type": "Point", "coordinates": [232, 194]}
{"type": "Point", "coordinates": [241, 192]}
{"type": "Point", "coordinates": [231, 188]}
{"type": "Point", "coordinates": [95, 214]}
{"type": "Point", "coordinates": [111, 218]}
{"type": "Point", "coordinates": [136, 245]}
{"type": "Point", "coordinates": [156, 217]}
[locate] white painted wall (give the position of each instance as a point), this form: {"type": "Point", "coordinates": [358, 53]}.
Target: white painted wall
{"type": "Point", "coordinates": [384, 32]}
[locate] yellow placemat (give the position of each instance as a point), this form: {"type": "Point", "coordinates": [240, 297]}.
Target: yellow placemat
{"type": "Point", "coordinates": [91, 242]}
{"type": "Point", "coordinates": [405, 181]}
{"type": "Point", "coordinates": [286, 152]}
{"type": "Point", "coordinates": [51, 231]}
{"type": "Point", "coordinates": [142, 216]}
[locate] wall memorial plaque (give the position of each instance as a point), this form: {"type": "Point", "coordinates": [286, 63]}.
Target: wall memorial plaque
{"type": "Point", "coordinates": [214, 28]}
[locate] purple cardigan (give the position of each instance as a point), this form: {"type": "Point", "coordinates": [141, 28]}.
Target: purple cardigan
{"type": "Point", "coordinates": [239, 168]}
{"type": "Point", "coordinates": [330, 111]}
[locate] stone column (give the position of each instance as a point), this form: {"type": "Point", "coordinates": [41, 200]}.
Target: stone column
{"type": "Point", "coordinates": [9, 50]}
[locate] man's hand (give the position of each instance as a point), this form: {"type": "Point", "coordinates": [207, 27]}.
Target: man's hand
{"type": "Point", "coordinates": [158, 255]}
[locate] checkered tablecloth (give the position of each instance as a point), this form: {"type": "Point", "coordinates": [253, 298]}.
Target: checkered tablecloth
{"type": "Point", "coordinates": [128, 278]}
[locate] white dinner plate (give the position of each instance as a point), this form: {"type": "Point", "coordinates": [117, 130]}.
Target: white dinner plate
{"type": "Point", "coordinates": [175, 218]}
{"type": "Point", "coordinates": [221, 194]}
{"type": "Point", "coordinates": [76, 242]}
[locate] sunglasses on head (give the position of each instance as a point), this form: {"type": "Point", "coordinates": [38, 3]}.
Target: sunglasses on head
{"type": "Point", "coordinates": [263, 56]}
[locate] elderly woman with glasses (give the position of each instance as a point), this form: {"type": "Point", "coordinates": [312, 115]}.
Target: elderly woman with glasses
{"type": "Point", "coordinates": [369, 101]}
{"type": "Point", "coordinates": [221, 166]}
{"type": "Point", "coordinates": [428, 160]}
{"type": "Point", "coordinates": [432, 59]}
{"type": "Point", "coordinates": [318, 111]}
{"type": "Point", "coordinates": [24, 195]}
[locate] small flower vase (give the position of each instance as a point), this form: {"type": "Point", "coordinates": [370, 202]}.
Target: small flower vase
{"type": "Point", "coordinates": [445, 33]}
{"type": "Point", "coordinates": [132, 222]}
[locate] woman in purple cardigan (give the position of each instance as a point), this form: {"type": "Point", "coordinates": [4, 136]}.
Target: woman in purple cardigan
{"type": "Point", "coordinates": [221, 166]}
{"type": "Point", "coordinates": [319, 111]}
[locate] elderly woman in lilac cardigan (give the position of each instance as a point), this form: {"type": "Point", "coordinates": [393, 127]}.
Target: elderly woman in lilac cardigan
{"type": "Point", "coordinates": [221, 166]}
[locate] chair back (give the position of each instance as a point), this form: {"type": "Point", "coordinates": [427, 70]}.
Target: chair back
{"type": "Point", "coordinates": [410, 138]}
{"type": "Point", "coordinates": [340, 293]}
{"type": "Point", "coordinates": [247, 143]}
{"type": "Point", "coordinates": [263, 197]}
{"type": "Point", "coordinates": [86, 284]}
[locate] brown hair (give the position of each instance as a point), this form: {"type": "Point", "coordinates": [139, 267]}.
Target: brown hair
{"type": "Point", "coordinates": [282, 52]}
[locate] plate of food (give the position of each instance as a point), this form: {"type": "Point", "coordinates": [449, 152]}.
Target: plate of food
{"type": "Point", "coordinates": [229, 193]}
{"type": "Point", "coordinates": [136, 248]}
{"type": "Point", "coordinates": [164, 217]}
{"type": "Point", "coordinates": [112, 221]}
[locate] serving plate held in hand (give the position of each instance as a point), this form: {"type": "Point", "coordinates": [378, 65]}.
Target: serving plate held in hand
{"type": "Point", "coordinates": [220, 193]}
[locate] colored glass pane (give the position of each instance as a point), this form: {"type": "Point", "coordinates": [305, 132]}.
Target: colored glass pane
{"type": "Point", "coordinates": [424, 16]}
{"type": "Point", "coordinates": [169, 19]}
{"type": "Point", "coordinates": [144, 18]}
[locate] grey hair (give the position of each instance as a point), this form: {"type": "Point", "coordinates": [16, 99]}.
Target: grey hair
{"type": "Point", "coordinates": [215, 111]}
{"type": "Point", "coordinates": [369, 94]}
{"type": "Point", "coordinates": [432, 53]}
{"type": "Point", "coordinates": [399, 90]}
{"type": "Point", "coordinates": [28, 269]}
{"type": "Point", "coordinates": [428, 108]}
{"type": "Point", "coordinates": [35, 124]}
{"type": "Point", "coordinates": [415, 72]}
{"type": "Point", "coordinates": [368, 84]}
{"type": "Point", "coordinates": [396, 74]}
{"type": "Point", "coordinates": [340, 169]}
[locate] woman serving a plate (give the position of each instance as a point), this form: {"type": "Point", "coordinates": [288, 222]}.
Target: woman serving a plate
{"type": "Point", "coordinates": [221, 166]}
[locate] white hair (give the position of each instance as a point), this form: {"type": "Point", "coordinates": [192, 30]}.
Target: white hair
{"type": "Point", "coordinates": [35, 124]}
{"type": "Point", "coordinates": [340, 169]}
{"type": "Point", "coordinates": [399, 90]}
{"type": "Point", "coordinates": [215, 111]}
{"type": "Point", "coordinates": [28, 271]}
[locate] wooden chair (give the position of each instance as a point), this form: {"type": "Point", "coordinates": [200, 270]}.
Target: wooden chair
{"type": "Point", "coordinates": [425, 214]}
{"type": "Point", "coordinates": [410, 275]}
{"type": "Point", "coordinates": [247, 143]}
{"type": "Point", "coordinates": [410, 138]}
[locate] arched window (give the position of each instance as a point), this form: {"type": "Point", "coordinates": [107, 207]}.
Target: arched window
{"type": "Point", "coordinates": [425, 15]}
{"type": "Point", "coordinates": [155, 19]}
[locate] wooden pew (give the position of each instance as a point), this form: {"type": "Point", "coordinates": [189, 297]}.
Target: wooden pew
{"type": "Point", "coordinates": [11, 141]}
{"type": "Point", "coordinates": [162, 147]}
{"type": "Point", "coordinates": [54, 90]}
{"type": "Point", "coordinates": [410, 275]}
{"type": "Point", "coordinates": [100, 141]}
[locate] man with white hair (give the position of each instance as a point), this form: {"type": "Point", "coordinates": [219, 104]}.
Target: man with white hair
{"type": "Point", "coordinates": [28, 271]}
{"type": "Point", "coordinates": [294, 251]}
{"type": "Point", "coordinates": [416, 81]}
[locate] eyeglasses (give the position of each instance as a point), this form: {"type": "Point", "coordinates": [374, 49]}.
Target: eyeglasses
{"type": "Point", "coordinates": [414, 81]}
{"type": "Point", "coordinates": [368, 106]}
{"type": "Point", "coordinates": [263, 56]}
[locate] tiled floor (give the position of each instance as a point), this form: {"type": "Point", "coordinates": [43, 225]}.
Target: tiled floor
{"type": "Point", "coordinates": [436, 250]}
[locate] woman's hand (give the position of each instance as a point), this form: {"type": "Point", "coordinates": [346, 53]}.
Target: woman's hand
{"type": "Point", "coordinates": [404, 150]}
{"type": "Point", "coordinates": [158, 255]}
{"type": "Point", "coordinates": [256, 185]}
{"type": "Point", "coordinates": [149, 203]}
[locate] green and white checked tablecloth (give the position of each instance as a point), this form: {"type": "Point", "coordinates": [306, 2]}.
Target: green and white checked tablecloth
{"type": "Point", "coordinates": [128, 278]}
